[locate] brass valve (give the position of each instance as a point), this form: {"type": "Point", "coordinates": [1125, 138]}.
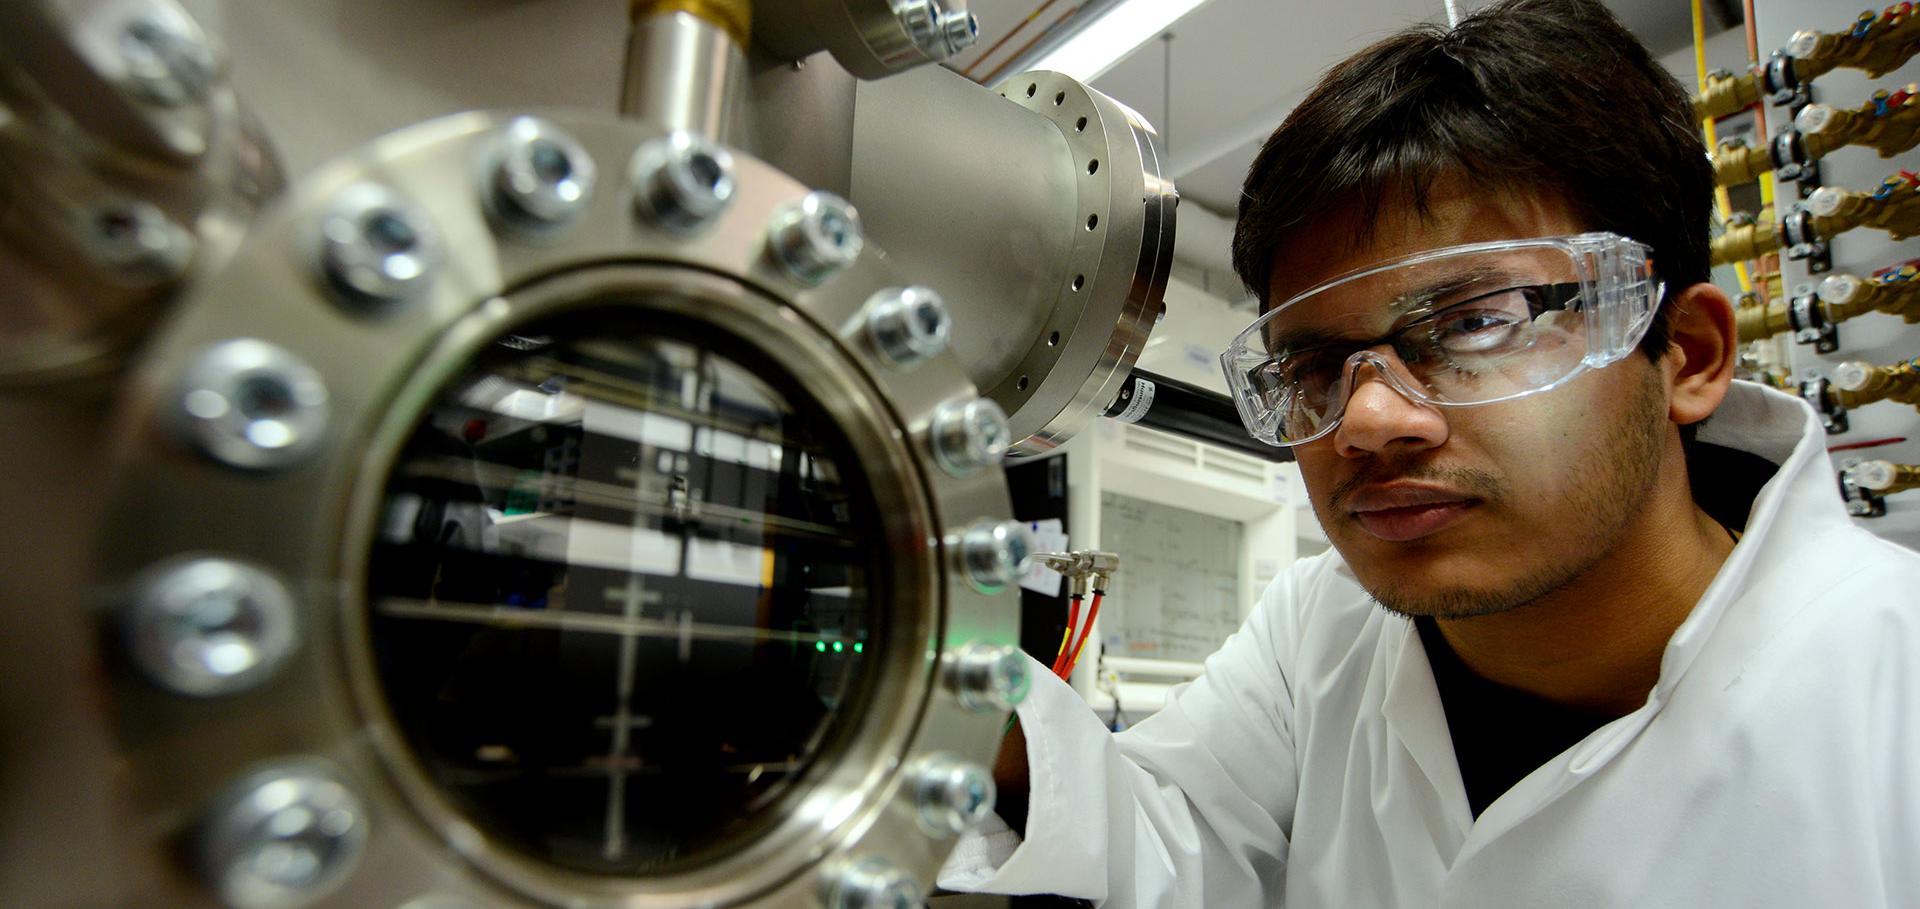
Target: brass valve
{"type": "Point", "coordinates": [1884, 477]}
{"type": "Point", "coordinates": [1888, 124]}
{"type": "Point", "coordinates": [1896, 292]}
{"type": "Point", "coordinates": [1855, 383]}
{"type": "Point", "coordinates": [1894, 208]}
{"type": "Point", "coordinates": [1756, 320]}
{"type": "Point", "coordinates": [1726, 94]}
{"type": "Point", "coordinates": [1878, 43]}
{"type": "Point", "coordinates": [1735, 162]}
{"type": "Point", "coordinates": [1746, 237]}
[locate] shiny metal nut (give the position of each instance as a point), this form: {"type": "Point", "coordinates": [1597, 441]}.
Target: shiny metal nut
{"type": "Point", "coordinates": [958, 31]}
{"type": "Point", "coordinates": [253, 405]}
{"type": "Point", "coordinates": [995, 554]}
{"type": "Point", "coordinates": [1851, 375]}
{"type": "Point", "coordinates": [952, 795]}
{"type": "Point", "coordinates": [1875, 475]}
{"type": "Point", "coordinates": [1824, 202]}
{"type": "Point", "coordinates": [167, 58]}
{"type": "Point", "coordinates": [1813, 119]}
{"type": "Point", "coordinates": [210, 626]}
{"type": "Point", "coordinates": [873, 883]}
{"type": "Point", "coordinates": [920, 19]}
{"type": "Point", "coordinates": [816, 237]}
{"type": "Point", "coordinates": [682, 182]}
{"type": "Point", "coordinates": [968, 436]}
{"type": "Point", "coordinates": [376, 246]}
{"type": "Point", "coordinates": [908, 325]}
{"type": "Point", "coordinates": [283, 837]}
{"type": "Point", "coordinates": [135, 240]}
{"type": "Point", "coordinates": [989, 678]}
{"type": "Point", "coordinates": [1840, 289]}
{"type": "Point", "coordinates": [542, 177]}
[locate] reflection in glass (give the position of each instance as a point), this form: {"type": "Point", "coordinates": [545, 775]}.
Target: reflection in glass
{"type": "Point", "coordinates": [622, 598]}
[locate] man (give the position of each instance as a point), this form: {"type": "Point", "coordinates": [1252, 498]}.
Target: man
{"type": "Point", "coordinates": [1578, 644]}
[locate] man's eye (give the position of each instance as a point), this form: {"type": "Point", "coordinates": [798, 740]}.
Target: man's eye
{"type": "Point", "coordinates": [1479, 331]}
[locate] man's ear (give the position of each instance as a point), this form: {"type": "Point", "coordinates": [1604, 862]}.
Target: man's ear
{"type": "Point", "coordinates": [1701, 352]}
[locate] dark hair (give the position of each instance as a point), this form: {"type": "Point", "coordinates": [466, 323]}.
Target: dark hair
{"type": "Point", "coordinates": [1548, 96]}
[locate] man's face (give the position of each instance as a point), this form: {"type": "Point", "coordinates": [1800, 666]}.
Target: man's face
{"type": "Point", "coordinates": [1457, 512]}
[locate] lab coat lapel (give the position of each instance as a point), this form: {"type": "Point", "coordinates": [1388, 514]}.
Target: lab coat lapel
{"type": "Point", "coordinates": [1417, 721]}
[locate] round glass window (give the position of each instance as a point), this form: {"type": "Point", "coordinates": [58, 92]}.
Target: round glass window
{"type": "Point", "coordinates": [622, 598]}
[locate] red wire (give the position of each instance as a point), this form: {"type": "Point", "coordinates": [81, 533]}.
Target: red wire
{"type": "Point", "coordinates": [1092, 612]}
{"type": "Point", "coordinates": [1066, 640]}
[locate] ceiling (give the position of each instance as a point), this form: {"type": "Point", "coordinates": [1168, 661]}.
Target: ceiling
{"type": "Point", "coordinates": [1237, 67]}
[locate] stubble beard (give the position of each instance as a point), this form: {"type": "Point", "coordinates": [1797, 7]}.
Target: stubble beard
{"type": "Point", "coordinates": [1623, 473]}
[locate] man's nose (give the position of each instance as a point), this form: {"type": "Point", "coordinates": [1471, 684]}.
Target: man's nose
{"type": "Point", "coordinates": [1379, 419]}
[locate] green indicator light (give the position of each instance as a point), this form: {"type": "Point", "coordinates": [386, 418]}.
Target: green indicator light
{"type": "Point", "coordinates": [837, 646]}
{"type": "Point", "coordinates": [820, 646]}
{"type": "Point", "coordinates": [858, 647]}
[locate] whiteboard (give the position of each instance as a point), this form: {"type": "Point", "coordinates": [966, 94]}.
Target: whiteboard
{"type": "Point", "coordinates": [1177, 594]}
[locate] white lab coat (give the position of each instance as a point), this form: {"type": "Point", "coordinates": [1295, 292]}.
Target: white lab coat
{"type": "Point", "coordinates": [1775, 763]}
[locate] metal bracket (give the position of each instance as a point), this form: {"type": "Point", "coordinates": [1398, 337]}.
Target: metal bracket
{"type": "Point", "coordinates": [1809, 321]}
{"type": "Point", "coordinates": [1833, 417]}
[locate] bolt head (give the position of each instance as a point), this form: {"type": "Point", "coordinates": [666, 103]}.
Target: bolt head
{"type": "Point", "coordinates": [908, 325]}
{"type": "Point", "coordinates": [168, 61]}
{"type": "Point", "coordinates": [874, 883]}
{"type": "Point", "coordinates": [990, 678]}
{"type": "Point", "coordinates": [682, 182]}
{"type": "Point", "coordinates": [995, 554]}
{"type": "Point", "coordinates": [816, 237]}
{"type": "Point", "coordinates": [377, 247]}
{"type": "Point", "coordinates": [952, 795]}
{"type": "Point", "coordinates": [542, 177]}
{"type": "Point", "coordinates": [253, 405]}
{"type": "Point", "coordinates": [958, 31]}
{"type": "Point", "coordinates": [210, 626]}
{"type": "Point", "coordinates": [969, 436]}
{"type": "Point", "coordinates": [283, 837]}
{"type": "Point", "coordinates": [135, 240]}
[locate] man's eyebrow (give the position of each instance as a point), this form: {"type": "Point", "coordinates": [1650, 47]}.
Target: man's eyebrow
{"type": "Point", "coordinates": [1406, 304]}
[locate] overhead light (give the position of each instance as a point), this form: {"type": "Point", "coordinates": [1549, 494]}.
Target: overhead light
{"type": "Point", "coordinates": [1111, 37]}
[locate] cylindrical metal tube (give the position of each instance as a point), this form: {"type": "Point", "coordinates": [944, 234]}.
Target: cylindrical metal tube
{"type": "Point", "coordinates": [1044, 223]}
{"type": "Point", "coordinates": [683, 72]}
{"type": "Point", "coordinates": [1170, 405]}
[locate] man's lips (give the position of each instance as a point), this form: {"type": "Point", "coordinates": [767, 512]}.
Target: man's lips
{"type": "Point", "coordinates": [1398, 512]}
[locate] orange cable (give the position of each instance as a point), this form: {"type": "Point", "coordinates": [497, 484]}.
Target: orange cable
{"type": "Point", "coordinates": [968, 72]}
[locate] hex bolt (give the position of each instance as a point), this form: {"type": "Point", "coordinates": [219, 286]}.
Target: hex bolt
{"type": "Point", "coordinates": [376, 246]}
{"type": "Point", "coordinates": [873, 883]}
{"type": "Point", "coordinates": [682, 182]}
{"type": "Point", "coordinates": [989, 678]}
{"type": "Point", "coordinates": [952, 795]}
{"type": "Point", "coordinates": [958, 31]}
{"type": "Point", "coordinates": [908, 325]}
{"type": "Point", "coordinates": [969, 436]}
{"type": "Point", "coordinates": [282, 837]}
{"type": "Point", "coordinates": [210, 626]}
{"type": "Point", "coordinates": [137, 241]}
{"type": "Point", "coordinates": [168, 60]}
{"type": "Point", "coordinates": [921, 20]}
{"type": "Point", "coordinates": [253, 405]}
{"type": "Point", "coordinates": [816, 237]}
{"type": "Point", "coordinates": [994, 554]}
{"type": "Point", "coordinates": [542, 177]}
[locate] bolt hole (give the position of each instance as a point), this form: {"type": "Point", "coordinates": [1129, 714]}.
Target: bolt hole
{"type": "Point", "coordinates": [1079, 281]}
{"type": "Point", "coordinates": [1093, 166]}
{"type": "Point", "coordinates": [1053, 340]}
{"type": "Point", "coordinates": [1081, 126]}
{"type": "Point", "coordinates": [1022, 384]}
{"type": "Point", "coordinates": [707, 170]}
{"type": "Point", "coordinates": [550, 162]}
{"type": "Point", "coordinates": [1093, 221]}
{"type": "Point", "coordinates": [263, 397]}
{"type": "Point", "coordinates": [1059, 99]}
{"type": "Point", "coordinates": [389, 233]}
{"type": "Point", "coordinates": [1031, 89]}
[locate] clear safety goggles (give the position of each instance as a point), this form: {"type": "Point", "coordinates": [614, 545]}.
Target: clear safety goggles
{"type": "Point", "coordinates": [1452, 327]}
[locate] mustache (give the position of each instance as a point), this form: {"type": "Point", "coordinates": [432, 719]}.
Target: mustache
{"type": "Point", "coordinates": [1479, 484]}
